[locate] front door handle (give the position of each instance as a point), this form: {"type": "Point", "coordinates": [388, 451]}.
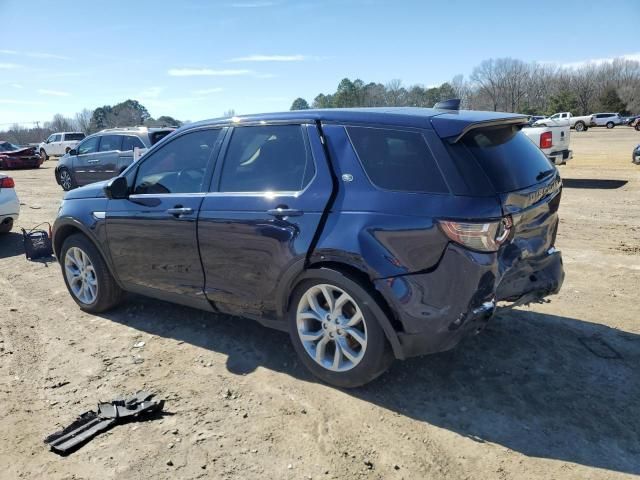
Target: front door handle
{"type": "Point", "coordinates": [93, 161]}
{"type": "Point", "coordinates": [178, 211]}
{"type": "Point", "coordinates": [281, 212]}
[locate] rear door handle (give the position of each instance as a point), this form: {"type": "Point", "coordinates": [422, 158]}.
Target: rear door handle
{"type": "Point", "coordinates": [284, 212]}
{"type": "Point", "coordinates": [177, 211]}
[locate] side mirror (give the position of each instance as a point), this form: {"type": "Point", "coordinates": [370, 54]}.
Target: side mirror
{"type": "Point", "coordinates": [117, 188]}
{"type": "Point", "coordinates": [73, 152]}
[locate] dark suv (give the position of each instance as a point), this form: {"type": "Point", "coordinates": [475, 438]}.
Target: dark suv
{"type": "Point", "coordinates": [105, 154]}
{"type": "Point", "coordinates": [367, 234]}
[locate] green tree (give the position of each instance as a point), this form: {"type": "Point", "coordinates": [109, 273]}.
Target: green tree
{"type": "Point", "coordinates": [611, 102]}
{"type": "Point", "coordinates": [299, 104]}
{"type": "Point", "coordinates": [563, 101]}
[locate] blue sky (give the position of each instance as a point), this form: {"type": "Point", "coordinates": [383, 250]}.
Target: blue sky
{"type": "Point", "coordinates": [195, 59]}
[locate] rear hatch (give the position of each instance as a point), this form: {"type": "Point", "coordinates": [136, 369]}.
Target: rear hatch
{"type": "Point", "coordinates": [494, 155]}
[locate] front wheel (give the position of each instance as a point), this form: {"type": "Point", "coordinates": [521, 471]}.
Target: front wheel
{"type": "Point", "coordinates": [637, 127]}
{"type": "Point", "coordinates": [86, 275]}
{"type": "Point", "coordinates": [66, 180]}
{"type": "Point", "coordinates": [610, 125]}
{"type": "Point", "coordinates": [580, 127]}
{"type": "Point", "coordinates": [335, 332]}
{"type": "Point", "coordinates": [44, 155]}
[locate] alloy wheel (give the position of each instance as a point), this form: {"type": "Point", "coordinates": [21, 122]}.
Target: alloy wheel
{"type": "Point", "coordinates": [65, 179]}
{"type": "Point", "coordinates": [81, 275]}
{"type": "Point", "coordinates": [331, 327]}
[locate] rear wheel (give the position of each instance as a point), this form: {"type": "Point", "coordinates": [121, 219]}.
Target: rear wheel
{"type": "Point", "coordinates": [44, 155]}
{"type": "Point", "coordinates": [66, 180]}
{"type": "Point", "coordinates": [580, 127]}
{"type": "Point", "coordinates": [86, 275]}
{"type": "Point", "coordinates": [335, 333]}
{"type": "Point", "coordinates": [610, 125]}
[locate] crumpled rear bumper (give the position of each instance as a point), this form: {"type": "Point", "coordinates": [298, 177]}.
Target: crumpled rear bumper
{"type": "Point", "coordinates": [437, 309]}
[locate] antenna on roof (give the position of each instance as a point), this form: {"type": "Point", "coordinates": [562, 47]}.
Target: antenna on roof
{"type": "Point", "coordinates": [451, 104]}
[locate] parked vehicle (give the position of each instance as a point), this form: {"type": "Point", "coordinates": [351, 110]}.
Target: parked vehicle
{"type": "Point", "coordinates": [105, 154]}
{"type": "Point", "coordinates": [9, 204]}
{"type": "Point", "coordinates": [14, 156]}
{"type": "Point", "coordinates": [553, 141]}
{"type": "Point", "coordinates": [635, 156]}
{"type": "Point", "coordinates": [628, 120]}
{"type": "Point", "coordinates": [636, 123]}
{"type": "Point", "coordinates": [608, 120]}
{"type": "Point", "coordinates": [367, 234]}
{"type": "Point", "coordinates": [59, 143]}
{"type": "Point", "coordinates": [581, 124]}
{"type": "Point", "coordinates": [535, 118]}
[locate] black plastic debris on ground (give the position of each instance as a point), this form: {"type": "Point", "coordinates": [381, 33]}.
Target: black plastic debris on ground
{"type": "Point", "coordinates": [121, 410]}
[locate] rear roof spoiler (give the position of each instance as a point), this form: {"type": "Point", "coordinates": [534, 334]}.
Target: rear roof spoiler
{"type": "Point", "coordinates": [454, 125]}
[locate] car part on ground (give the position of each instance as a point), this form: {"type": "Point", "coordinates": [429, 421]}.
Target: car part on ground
{"type": "Point", "coordinates": [367, 234]}
{"type": "Point", "coordinates": [9, 204]}
{"type": "Point", "coordinates": [14, 156]}
{"type": "Point", "coordinates": [37, 242]}
{"type": "Point", "coordinates": [635, 156]}
{"type": "Point", "coordinates": [139, 406]}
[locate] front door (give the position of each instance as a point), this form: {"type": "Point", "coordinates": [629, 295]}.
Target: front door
{"type": "Point", "coordinates": [265, 204]}
{"type": "Point", "coordinates": [104, 163]}
{"type": "Point", "coordinates": [84, 162]}
{"type": "Point", "coordinates": [152, 234]}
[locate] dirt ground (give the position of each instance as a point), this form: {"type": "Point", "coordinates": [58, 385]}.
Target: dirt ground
{"type": "Point", "coordinates": [546, 392]}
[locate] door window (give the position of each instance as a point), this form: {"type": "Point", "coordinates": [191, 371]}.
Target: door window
{"type": "Point", "coordinates": [267, 158]}
{"type": "Point", "coordinates": [129, 143]}
{"type": "Point", "coordinates": [110, 143]}
{"type": "Point", "coordinates": [177, 167]}
{"type": "Point", "coordinates": [90, 145]}
{"type": "Point", "coordinates": [56, 138]}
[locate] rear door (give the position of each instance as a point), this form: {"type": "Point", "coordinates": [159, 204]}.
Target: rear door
{"type": "Point", "coordinates": [262, 213]}
{"type": "Point", "coordinates": [129, 142]}
{"type": "Point", "coordinates": [152, 234]}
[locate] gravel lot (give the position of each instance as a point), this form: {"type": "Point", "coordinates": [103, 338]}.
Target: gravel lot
{"type": "Point", "coordinates": [550, 391]}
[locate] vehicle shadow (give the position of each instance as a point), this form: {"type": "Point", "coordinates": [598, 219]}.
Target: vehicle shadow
{"type": "Point", "coordinates": [11, 245]}
{"type": "Point", "coordinates": [542, 385]}
{"type": "Point", "coordinates": [593, 183]}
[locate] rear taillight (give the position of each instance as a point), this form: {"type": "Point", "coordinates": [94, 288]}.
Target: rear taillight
{"type": "Point", "coordinates": [546, 140]}
{"type": "Point", "coordinates": [7, 182]}
{"type": "Point", "coordinates": [484, 237]}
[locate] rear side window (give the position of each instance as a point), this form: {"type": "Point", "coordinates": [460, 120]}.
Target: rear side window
{"type": "Point", "coordinates": [73, 136]}
{"type": "Point", "coordinates": [130, 142]}
{"type": "Point", "coordinates": [397, 160]}
{"type": "Point", "coordinates": [110, 143]}
{"type": "Point", "coordinates": [506, 156]}
{"type": "Point", "coordinates": [267, 158]}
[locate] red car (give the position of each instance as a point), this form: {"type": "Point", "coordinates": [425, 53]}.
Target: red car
{"type": "Point", "coordinates": [12, 156]}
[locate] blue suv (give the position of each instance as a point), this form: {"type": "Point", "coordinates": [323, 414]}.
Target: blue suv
{"type": "Point", "coordinates": [367, 234]}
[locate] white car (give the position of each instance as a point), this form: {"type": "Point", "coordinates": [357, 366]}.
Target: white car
{"type": "Point", "coordinates": [581, 124]}
{"type": "Point", "coordinates": [59, 143]}
{"type": "Point", "coordinates": [608, 120]}
{"type": "Point", "coordinates": [9, 204]}
{"type": "Point", "coordinates": [553, 141]}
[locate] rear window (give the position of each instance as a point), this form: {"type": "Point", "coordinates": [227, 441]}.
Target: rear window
{"type": "Point", "coordinates": [397, 160]}
{"type": "Point", "coordinates": [505, 155]}
{"type": "Point", "coordinates": [74, 136]}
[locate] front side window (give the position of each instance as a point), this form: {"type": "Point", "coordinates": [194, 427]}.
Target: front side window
{"type": "Point", "coordinates": [130, 142]}
{"type": "Point", "coordinates": [270, 158]}
{"type": "Point", "coordinates": [56, 138]}
{"type": "Point", "coordinates": [90, 145]}
{"type": "Point", "coordinates": [110, 143]}
{"type": "Point", "coordinates": [177, 167]}
{"type": "Point", "coordinates": [397, 160]}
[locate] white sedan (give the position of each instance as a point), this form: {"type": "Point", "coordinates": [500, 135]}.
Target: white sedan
{"type": "Point", "coordinates": [9, 204]}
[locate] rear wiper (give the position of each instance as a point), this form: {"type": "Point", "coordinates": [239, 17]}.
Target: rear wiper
{"type": "Point", "coordinates": [545, 174]}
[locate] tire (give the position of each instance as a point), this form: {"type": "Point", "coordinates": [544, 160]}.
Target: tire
{"type": "Point", "coordinates": [610, 125]}
{"type": "Point", "coordinates": [44, 155]}
{"type": "Point", "coordinates": [364, 352]}
{"type": "Point", "coordinates": [580, 127]}
{"type": "Point", "coordinates": [5, 227]}
{"type": "Point", "coordinates": [86, 275]}
{"type": "Point", "coordinates": [637, 127]}
{"type": "Point", "coordinates": [66, 180]}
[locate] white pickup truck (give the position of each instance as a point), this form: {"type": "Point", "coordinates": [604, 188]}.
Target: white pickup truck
{"type": "Point", "coordinates": [552, 140]}
{"type": "Point", "coordinates": [59, 143]}
{"type": "Point", "coordinates": [581, 124]}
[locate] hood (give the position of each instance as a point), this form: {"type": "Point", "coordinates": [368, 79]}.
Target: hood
{"type": "Point", "coordinates": [93, 190]}
{"type": "Point", "coordinates": [21, 152]}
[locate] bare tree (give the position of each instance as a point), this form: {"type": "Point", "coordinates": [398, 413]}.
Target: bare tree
{"type": "Point", "coordinates": [83, 120]}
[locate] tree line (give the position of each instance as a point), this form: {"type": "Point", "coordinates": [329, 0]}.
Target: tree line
{"type": "Point", "coordinates": [505, 84]}
{"type": "Point", "coordinates": [129, 113]}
